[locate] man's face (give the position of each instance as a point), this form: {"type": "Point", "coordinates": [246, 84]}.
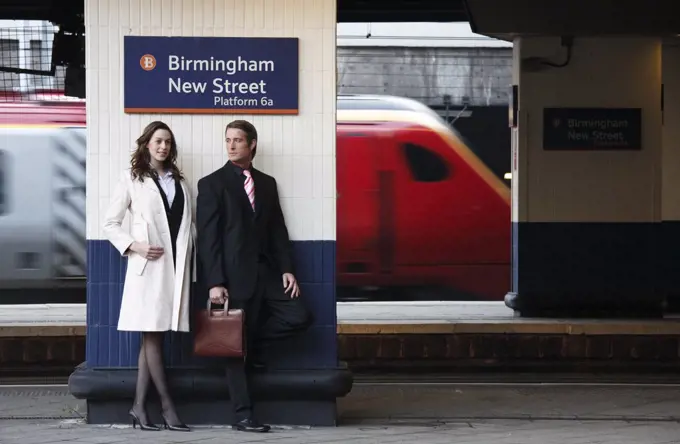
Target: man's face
{"type": "Point", "coordinates": [237, 146]}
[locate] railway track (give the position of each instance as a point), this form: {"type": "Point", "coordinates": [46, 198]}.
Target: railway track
{"type": "Point", "coordinates": [521, 379]}
{"type": "Point", "coordinates": [24, 381]}
{"type": "Point", "coordinates": [32, 374]}
{"type": "Point", "coordinates": [75, 294]}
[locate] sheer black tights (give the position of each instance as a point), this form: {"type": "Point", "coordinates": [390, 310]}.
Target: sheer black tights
{"type": "Point", "coordinates": [151, 368]}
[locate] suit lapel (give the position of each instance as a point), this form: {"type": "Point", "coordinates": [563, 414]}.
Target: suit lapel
{"type": "Point", "coordinates": [260, 192]}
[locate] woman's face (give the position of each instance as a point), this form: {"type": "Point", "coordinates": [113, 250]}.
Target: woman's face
{"type": "Point", "coordinates": [159, 145]}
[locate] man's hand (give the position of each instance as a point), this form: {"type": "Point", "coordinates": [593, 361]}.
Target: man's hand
{"type": "Point", "coordinates": [290, 284]}
{"type": "Point", "coordinates": [150, 252]}
{"type": "Point", "coordinates": [218, 295]}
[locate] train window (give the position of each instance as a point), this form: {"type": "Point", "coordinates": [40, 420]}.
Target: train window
{"type": "Point", "coordinates": [4, 187]}
{"type": "Point", "coordinates": [425, 165]}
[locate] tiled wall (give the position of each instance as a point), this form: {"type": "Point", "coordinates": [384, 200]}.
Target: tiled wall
{"type": "Point", "coordinates": [299, 151]}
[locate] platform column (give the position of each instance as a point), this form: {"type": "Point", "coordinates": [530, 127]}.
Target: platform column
{"type": "Point", "coordinates": [586, 177]}
{"type": "Point", "coordinates": [671, 172]}
{"type": "Point", "coordinates": [304, 377]}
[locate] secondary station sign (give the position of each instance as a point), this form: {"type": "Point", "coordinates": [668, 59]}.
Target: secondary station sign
{"type": "Point", "coordinates": [592, 129]}
{"type": "Point", "coordinates": [211, 75]}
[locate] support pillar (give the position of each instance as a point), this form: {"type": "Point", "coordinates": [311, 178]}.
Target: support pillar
{"type": "Point", "coordinates": [304, 377]}
{"type": "Point", "coordinates": [586, 183]}
{"type": "Point", "coordinates": [671, 173]}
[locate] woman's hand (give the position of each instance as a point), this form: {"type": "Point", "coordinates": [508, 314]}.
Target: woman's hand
{"type": "Point", "coordinates": [150, 252]}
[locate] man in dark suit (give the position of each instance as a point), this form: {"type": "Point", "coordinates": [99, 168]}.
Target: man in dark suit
{"type": "Point", "coordinates": [244, 256]}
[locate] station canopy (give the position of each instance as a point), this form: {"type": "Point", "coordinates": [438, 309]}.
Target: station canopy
{"type": "Point", "coordinates": [502, 19]}
{"type": "Point", "coordinates": [506, 19]}
{"type": "Point", "coordinates": [60, 11]}
{"type": "Point", "coordinates": [495, 18]}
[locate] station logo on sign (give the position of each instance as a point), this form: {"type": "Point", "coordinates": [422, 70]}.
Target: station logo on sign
{"type": "Point", "coordinates": [147, 62]}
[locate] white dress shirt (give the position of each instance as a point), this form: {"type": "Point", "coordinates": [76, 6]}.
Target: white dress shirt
{"type": "Point", "coordinates": [167, 182]}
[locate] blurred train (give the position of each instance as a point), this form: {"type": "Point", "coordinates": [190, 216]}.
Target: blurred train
{"type": "Point", "coordinates": [419, 215]}
{"type": "Point", "coordinates": [43, 252]}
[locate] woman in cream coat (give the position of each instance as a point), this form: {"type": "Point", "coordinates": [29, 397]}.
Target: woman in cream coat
{"type": "Point", "coordinates": [160, 253]}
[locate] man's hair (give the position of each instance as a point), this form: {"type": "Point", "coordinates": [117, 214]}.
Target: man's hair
{"type": "Point", "coordinates": [246, 127]}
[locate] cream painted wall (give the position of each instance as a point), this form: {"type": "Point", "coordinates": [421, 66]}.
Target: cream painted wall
{"type": "Point", "coordinates": [617, 186]}
{"type": "Point", "coordinates": [299, 151]}
{"type": "Point", "coordinates": [671, 131]}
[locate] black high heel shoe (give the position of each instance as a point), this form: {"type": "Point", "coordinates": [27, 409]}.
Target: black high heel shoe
{"type": "Point", "coordinates": [142, 426]}
{"type": "Point", "coordinates": [181, 427]}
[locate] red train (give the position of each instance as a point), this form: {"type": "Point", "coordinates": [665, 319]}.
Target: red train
{"type": "Point", "coordinates": [417, 209]}
{"type": "Point", "coordinates": [419, 215]}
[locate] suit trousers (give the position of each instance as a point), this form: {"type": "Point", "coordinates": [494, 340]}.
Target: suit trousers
{"type": "Point", "coordinates": [271, 314]}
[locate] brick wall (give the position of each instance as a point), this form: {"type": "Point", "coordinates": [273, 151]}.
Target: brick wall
{"type": "Point", "coordinates": [45, 351]}
{"type": "Point", "coordinates": [494, 350]}
{"type": "Point", "coordinates": [436, 350]}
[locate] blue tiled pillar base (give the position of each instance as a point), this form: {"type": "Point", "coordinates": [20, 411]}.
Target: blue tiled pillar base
{"type": "Point", "coordinates": [670, 254]}
{"type": "Point", "coordinates": [109, 348]}
{"type": "Point", "coordinates": [588, 269]}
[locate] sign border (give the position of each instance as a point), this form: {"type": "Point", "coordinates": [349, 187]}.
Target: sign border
{"type": "Point", "coordinates": [200, 111]}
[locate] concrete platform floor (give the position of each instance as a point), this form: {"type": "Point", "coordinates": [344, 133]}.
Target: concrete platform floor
{"type": "Point", "coordinates": [392, 413]}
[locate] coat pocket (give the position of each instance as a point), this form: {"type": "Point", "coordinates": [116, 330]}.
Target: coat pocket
{"type": "Point", "coordinates": [140, 233]}
{"type": "Point", "coordinates": [137, 264]}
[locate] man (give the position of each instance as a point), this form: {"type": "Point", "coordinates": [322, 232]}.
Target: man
{"type": "Point", "coordinates": [244, 256]}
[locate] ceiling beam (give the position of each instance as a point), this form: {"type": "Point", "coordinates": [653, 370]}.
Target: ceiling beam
{"type": "Point", "coordinates": [348, 10]}
{"type": "Point", "coordinates": [401, 11]}
{"type": "Point", "coordinates": [574, 17]}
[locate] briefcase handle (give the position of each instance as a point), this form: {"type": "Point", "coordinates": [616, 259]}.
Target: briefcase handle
{"type": "Point", "coordinates": [226, 307]}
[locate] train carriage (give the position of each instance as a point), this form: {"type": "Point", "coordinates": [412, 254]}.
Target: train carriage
{"type": "Point", "coordinates": [419, 214]}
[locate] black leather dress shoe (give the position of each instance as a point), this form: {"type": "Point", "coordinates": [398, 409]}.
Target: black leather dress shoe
{"type": "Point", "coordinates": [256, 366]}
{"type": "Point", "coordinates": [250, 425]}
{"type": "Point", "coordinates": [256, 363]}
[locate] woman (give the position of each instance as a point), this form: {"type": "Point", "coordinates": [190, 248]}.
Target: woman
{"type": "Point", "coordinates": [159, 249]}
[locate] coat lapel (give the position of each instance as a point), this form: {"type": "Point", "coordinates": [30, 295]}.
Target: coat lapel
{"type": "Point", "coordinates": [154, 195]}
{"type": "Point", "coordinates": [186, 212]}
{"type": "Point", "coordinates": [149, 185]}
{"type": "Point", "coordinates": [184, 242]}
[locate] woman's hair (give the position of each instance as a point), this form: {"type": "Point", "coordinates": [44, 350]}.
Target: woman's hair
{"type": "Point", "coordinates": [141, 159]}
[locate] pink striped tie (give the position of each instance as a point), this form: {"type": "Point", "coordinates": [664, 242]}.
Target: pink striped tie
{"type": "Point", "coordinates": [250, 188]}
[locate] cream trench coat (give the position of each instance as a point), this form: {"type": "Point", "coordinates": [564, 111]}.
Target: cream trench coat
{"type": "Point", "coordinates": [155, 298]}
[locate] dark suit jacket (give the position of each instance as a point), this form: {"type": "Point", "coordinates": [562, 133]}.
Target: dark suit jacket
{"type": "Point", "coordinates": [232, 238]}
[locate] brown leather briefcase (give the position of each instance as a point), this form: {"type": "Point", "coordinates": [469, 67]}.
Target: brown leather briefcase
{"type": "Point", "coordinates": [220, 333]}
